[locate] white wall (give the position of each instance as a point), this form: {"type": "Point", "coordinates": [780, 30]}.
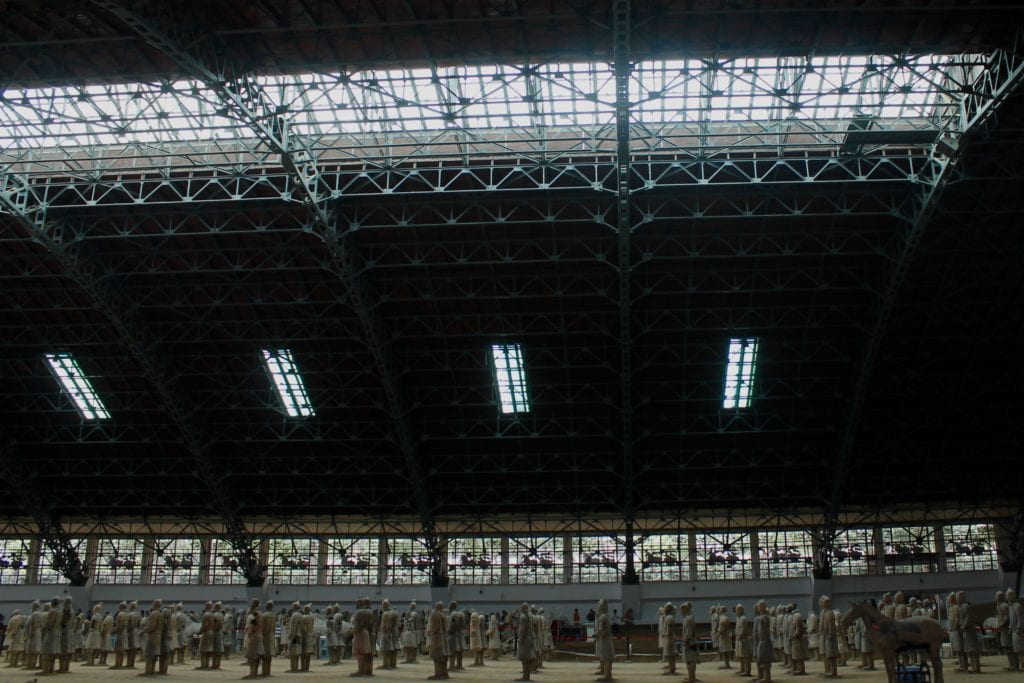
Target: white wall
{"type": "Point", "coordinates": [558, 600]}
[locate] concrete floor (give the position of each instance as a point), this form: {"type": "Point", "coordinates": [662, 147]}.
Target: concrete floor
{"type": "Point", "coordinates": [647, 670]}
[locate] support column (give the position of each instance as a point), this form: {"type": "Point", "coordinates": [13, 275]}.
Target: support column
{"type": "Point", "coordinates": [382, 561]}
{"type": "Point", "coordinates": [263, 557]}
{"type": "Point", "coordinates": [629, 575]}
{"type": "Point", "coordinates": [879, 548]}
{"type": "Point", "coordinates": [92, 549]}
{"type": "Point", "coordinates": [205, 561]}
{"type": "Point", "coordinates": [939, 539]}
{"type": "Point", "coordinates": [691, 553]}
{"type": "Point", "coordinates": [755, 555]}
{"type": "Point", "coordinates": [148, 558]}
{"type": "Point", "coordinates": [322, 549]}
{"type": "Point", "coordinates": [503, 577]}
{"type": "Point", "coordinates": [34, 556]}
{"type": "Point", "coordinates": [567, 569]}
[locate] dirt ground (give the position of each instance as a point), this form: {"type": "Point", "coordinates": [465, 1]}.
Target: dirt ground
{"type": "Point", "coordinates": [575, 669]}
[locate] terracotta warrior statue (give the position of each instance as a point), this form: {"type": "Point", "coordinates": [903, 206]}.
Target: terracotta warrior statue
{"type": "Point", "coordinates": [526, 647]}
{"type": "Point", "coordinates": [1016, 626]}
{"type": "Point", "coordinates": [969, 633]}
{"type": "Point", "coordinates": [410, 643]}
{"type": "Point", "coordinates": [67, 625]}
{"type": "Point", "coordinates": [94, 643]}
{"type": "Point", "coordinates": [798, 643]}
{"type": "Point", "coordinates": [253, 643]}
{"type": "Point", "coordinates": [50, 640]}
{"type": "Point", "coordinates": [724, 626]}
{"type": "Point", "coordinates": [456, 625]}
{"type": "Point", "coordinates": [1003, 627]}
{"type": "Point", "coordinates": [661, 634]}
{"type": "Point", "coordinates": [388, 636]}
{"type": "Point", "coordinates": [362, 645]}
{"type": "Point", "coordinates": [955, 640]}
{"type": "Point", "coordinates": [134, 624]}
{"type": "Point", "coordinates": [230, 625]}
{"type": "Point", "coordinates": [180, 639]}
{"type": "Point", "coordinates": [763, 642]}
{"type": "Point", "coordinates": [476, 643]}
{"type": "Point", "coordinates": [206, 638]}
{"type": "Point", "coordinates": [688, 635]}
{"type": "Point", "coordinates": [667, 623]}
{"type": "Point", "coordinates": [152, 637]}
{"type": "Point", "coordinates": [309, 638]}
{"type": "Point", "coordinates": [268, 622]}
{"type": "Point", "coordinates": [15, 639]}
{"type": "Point", "coordinates": [218, 635]}
{"type": "Point", "coordinates": [436, 634]}
{"type": "Point", "coordinates": [494, 638]}
{"type": "Point", "coordinates": [294, 620]}
{"type": "Point", "coordinates": [744, 640]}
{"type": "Point", "coordinates": [168, 638]}
{"type": "Point", "coordinates": [812, 635]}
{"type": "Point", "coordinates": [829, 637]}
{"type": "Point", "coordinates": [331, 632]}
{"type": "Point", "coordinates": [120, 634]}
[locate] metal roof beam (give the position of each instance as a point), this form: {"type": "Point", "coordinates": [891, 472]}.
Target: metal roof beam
{"type": "Point", "coordinates": [166, 26]}
{"type": "Point", "coordinates": [65, 558]}
{"type": "Point", "coordinates": [1003, 77]}
{"type": "Point", "coordinates": [622, 66]}
{"type": "Point", "coordinates": [18, 199]}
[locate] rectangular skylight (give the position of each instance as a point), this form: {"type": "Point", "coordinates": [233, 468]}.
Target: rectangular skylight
{"type": "Point", "coordinates": [288, 382]}
{"type": "Point", "coordinates": [739, 373]}
{"type": "Point", "coordinates": [76, 385]}
{"type": "Point", "coordinates": [510, 377]}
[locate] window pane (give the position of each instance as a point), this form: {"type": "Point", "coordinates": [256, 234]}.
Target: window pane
{"type": "Point", "coordinates": [535, 559]}
{"type": "Point", "coordinates": [352, 560]}
{"type": "Point", "coordinates": [664, 557]}
{"type": "Point", "coordinates": [474, 560]}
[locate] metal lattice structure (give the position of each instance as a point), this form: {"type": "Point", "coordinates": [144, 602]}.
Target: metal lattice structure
{"type": "Point", "coordinates": [619, 187]}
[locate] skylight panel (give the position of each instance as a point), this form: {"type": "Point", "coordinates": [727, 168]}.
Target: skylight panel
{"type": "Point", "coordinates": [739, 373]}
{"type": "Point", "coordinates": [510, 378]}
{"type": "Point", "coordinates": [288, 382]}
{"type": "Point", "coordinates": [77, 386]}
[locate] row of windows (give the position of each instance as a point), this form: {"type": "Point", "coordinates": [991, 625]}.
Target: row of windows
{"type": "Point", "coordinates": [507, 364]}
{"type": "Point", "coordinates": [530, 559]}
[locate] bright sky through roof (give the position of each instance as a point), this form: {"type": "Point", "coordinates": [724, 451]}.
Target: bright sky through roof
{"type": "Point", "coordinates": [912, 89]}
{"type": "Point", "coordinates": [739, 373]}
{"type": "Point", "coordinates": [288, 382]}
{"type": "Point", "coordinates": [77, 386]}
{"type": "Point", "coordinates": [510, 376]}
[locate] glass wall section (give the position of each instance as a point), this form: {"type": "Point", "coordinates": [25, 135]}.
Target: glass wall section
{"type": "Point", "coordinates": [535, 559]}
{"type": "Point", "coordinates": [292, 561]}
{"type": "Point", "coordinates": [14, 559]}
{"type": "Point", "coordinates": [224, 564]}
{"type": "Point", "coordinates": [474, 560]}
{"type": "Point", "coordinates": [597, 559]}
{"type": "Point", "coordinates": [118, 560]}
{"type": "Point", "coordinates": [664, 557]}
{"type": "Point", "coordinates": [47, 574]}
{"type": "Point", "coordinates": [785, 553]}
{"type": "Point", "coordinates": [909, 550]}
{"type": "Point", "coordinates": [408, 561]}
{"type": "Point", "coordinates": [723, 555]}
{"type": "Point", "coordinates": [854, 552]}
{"type": "Point", "coordinates": [177, 560]}
{"type": "Point", "coordinates": [352, 560]}
{"type": "Point", "coordinates": [970, 547]}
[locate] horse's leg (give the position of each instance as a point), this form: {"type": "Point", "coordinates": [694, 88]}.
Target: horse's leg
{"type": "Point", "coordinates": [889, 657]}
{"type": "Point", "coordinates": [935, 652]}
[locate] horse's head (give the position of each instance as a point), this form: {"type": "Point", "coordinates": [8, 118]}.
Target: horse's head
{"type": "Point", "coordinates": [855, 612]}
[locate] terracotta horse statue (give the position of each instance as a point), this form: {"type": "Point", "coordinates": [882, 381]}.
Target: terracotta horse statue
{"type": "Point", "coordinates": [891, 636]}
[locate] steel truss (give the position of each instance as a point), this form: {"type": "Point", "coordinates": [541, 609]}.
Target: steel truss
{"type": "Point", "coordinates": [1001, 77]}
{"type": "Point", "coordinates": [606, 170]}
{"type": "Point", "coordinates": [21, 202]}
